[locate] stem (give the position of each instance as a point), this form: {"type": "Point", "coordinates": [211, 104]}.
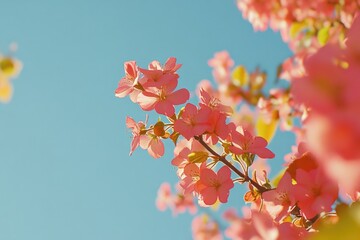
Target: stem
{"type": "Point", "coordinates": [232, 167]}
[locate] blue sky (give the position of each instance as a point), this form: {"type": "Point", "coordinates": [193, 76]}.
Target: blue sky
{"type": "Point", "coordinates": [65, 172]}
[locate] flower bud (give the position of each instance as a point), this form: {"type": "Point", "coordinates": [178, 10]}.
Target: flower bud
{"type": "Point", "coordinates": [159, 129]}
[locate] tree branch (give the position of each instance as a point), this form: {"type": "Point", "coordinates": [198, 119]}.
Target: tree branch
{"type": "Point", "coordinates": [232, 167]}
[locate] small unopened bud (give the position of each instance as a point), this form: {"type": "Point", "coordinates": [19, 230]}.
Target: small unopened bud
{"type": "Point", "coordinates": [159, 129]}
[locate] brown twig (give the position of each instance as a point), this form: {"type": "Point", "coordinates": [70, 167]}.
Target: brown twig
{"type": "Point", "coordinates": [232, 167]}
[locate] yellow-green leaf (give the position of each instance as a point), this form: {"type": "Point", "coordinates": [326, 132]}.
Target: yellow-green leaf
{"type": "Point", "coordinates": [296, 28]}
{"type": "Point", "coordinates": [266, 128]}
{"type": "Point", "coordinates": [348, 226]}
{"type": "Point", "coordinates": [7, 66]}
{"type": "Point", "coordinates": [323, 35]}
{"type": "Point", "coordinates": [198, 157]}
{"type": "Point", "coordinates": [5, 90]}
{"type": "Point", "coordinates": [240, 76]}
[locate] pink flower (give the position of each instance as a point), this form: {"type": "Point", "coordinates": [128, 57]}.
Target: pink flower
{"type": "Point", "coordinates": [346, 173]}
{"type": "Point", "coordinates": [212, 102]}
{"type": "Point", "coordinates": [222, 64]}
{"type": "Point", "coordinates": [155, 74]}
{"type": "Point", "coordinates": [215, 186]}
{"type": "Point", "coordinates": [152, 144]}
{"type": "Point", "coordinates": [178, 202]}
{"type": "Point", "coordinates": [279, 201]}
{"type": "Point", "coordinates": [163, 200]}
{"type": "Point", "coordinates": [246, 143]}
{"type": "Point", "coordinates": [145, 138]}
{"type": "Point", "coordinates": [203, 228]}
{"type": "Point", "coordinates": [245, 118]}
{"type": "Point", "coordinates": [261, 226]}
{"type": "Point", "coordinates": [256, 12]}
{"type": "Point", "coordinates": [163, 98]}
{"type": "Point", "coordinates": [170, 65]}
{"type": "Point", "coordinates": [217, 126]}
{"type": "Point", "coordinates": [325, 87]}
{"type": "Point", "coordinates": [127, 84]}
{"type": "Point", "coordinates": [181, 152]}
{"type": "Point", "coordinates": [306, 162]}
{"type": "Point", "coordinates": [314, 192]}
{"type": "Point", "coordinates": [192, 122]}
{"type": "Point", "coordinates": [136, 132]}
{"type": "Point", "coordinates": [183, 201]}
{"type": "Point", "coordinates": [261, 167]}
{"type": "Point", "coordinates": [289, 231]}
{"type": "Point", "coordinates": [190, 178]}
{"type": "Point", "coordinates": [353, 38]}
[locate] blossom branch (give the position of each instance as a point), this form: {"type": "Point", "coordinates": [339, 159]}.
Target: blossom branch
{"type": "Point", "coordinates": [232, 167]}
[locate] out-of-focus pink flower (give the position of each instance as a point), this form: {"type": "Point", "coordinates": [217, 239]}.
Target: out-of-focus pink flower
{"type": "Point", "coordinates": [178, 202]}
{"type": "Point", "coordinates": [306, 162]}
{"type": "Point", "coordinates": [260, 226]}
{"type": "Point", "coordinates": [292, 19]}
{"type": "Point", "coordinates": [183, 201]}
{"type": "Point", "coordinates": [257, 12]}
{"type": "Point", "coordinates": [222, 64]}
{"type": "Point", "coordinates": [297, 152]}
{"type": "Point", "coordinates": [335, 137]}
{"type": "Point", "coordinates": [163, 200]}
{"type": "Point", "coordinates": [193, 121]}
{"type": "Point", "coordinates": [245, 118]}
{"type": "Point", "coordinates": [330, 90]}
{"type": "Point", "coordinates": [261, 167]}
{"type": "Point", "coordinates": [289, 231]}
{"type": "Point", "coordinates": [345, 173]}
{"type": "Point", "coordinates": [279, 201]}
{"type": "Point", "coordinates": [292, 67]}
{"type": "Point", "coordinates": [324, 88]}
{"type": "Point", "coordinates": [314, 192]}
{"type": "Point", "coordinates": [246, 143]}
{"type": "Point", "coordinates": [215, 185]}
{"type": "Point", "coordinates": [203, 228]}
{"type": "Point", "coordinates": [353, 39]}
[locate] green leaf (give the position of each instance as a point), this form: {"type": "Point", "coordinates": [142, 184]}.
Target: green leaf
{"type": "Point", "coordinates": [266, 129]}
{"type": "Point", "coordinates": [323, 35]}
{"type": "Point", "coordinates": [240, 76]}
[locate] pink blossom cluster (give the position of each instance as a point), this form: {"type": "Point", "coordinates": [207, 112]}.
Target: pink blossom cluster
{"type": "Point", "coordinates": [329, 92]}
{"type": "Point", "coordinates": [205, 136]}
{"type": "Point", "coordinates": [177, 202]}
{"type": "Point", "coordinates": [260, 225]}
{"type": "Point", "coordinates": [204, 228]}
{"type": "Point", "coordinates": [153, 88]}
{"type": "Point", "coordinates": [221, 141]}
{"type": "Point", "coordinates": [301, 22]}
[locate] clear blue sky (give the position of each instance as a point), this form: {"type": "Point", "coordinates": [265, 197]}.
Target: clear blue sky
{"type": "Point", "coordinates": [65, 172]}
